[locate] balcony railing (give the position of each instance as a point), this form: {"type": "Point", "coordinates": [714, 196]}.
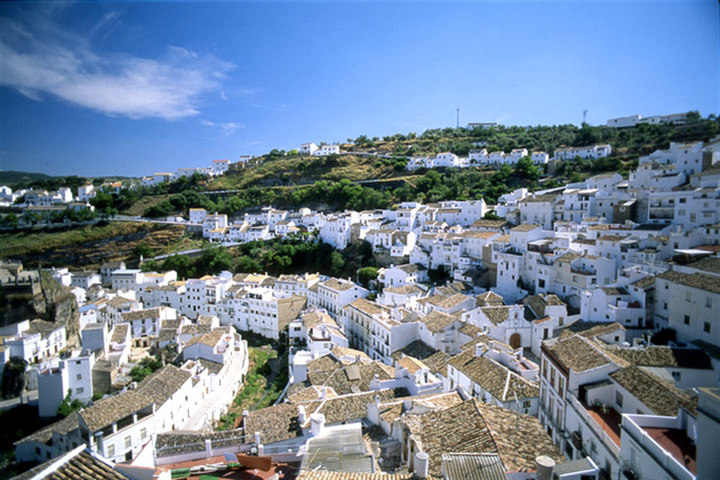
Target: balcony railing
{"type": "Point", "coordinates": [594, 426]}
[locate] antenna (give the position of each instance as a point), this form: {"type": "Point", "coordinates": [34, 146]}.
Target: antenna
{"type": "Point", "coordinates": [458, 118]}
{"type": "Point", "coordinates": [584, 115]}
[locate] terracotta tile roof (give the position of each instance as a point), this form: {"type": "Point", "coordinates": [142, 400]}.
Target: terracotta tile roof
{"type": "Point", "coordinates": [411, 364]}
{"type": "Point", "coordinates": [410, 289]}
{"type": "Point", "coordinates": [662, 356]}
{"type": "Point", "coordinates": [472, 427]}
{"type": "Point", "coordinates": [311, 393]}
{"type": "Point", "coordinates": [524, 228]}
{"type": "Point", "coordinates": [173, 441]}
{"type": "Point", "coordinates": [568, 257]}
{"type": "Point", "coordinates": [578, 353]}
{"type": "Point", "coordinates": [80, 466]}
{"type": "Point", "coordinates": [470, 330]}
{"type": "Point", "coordinates": [443, 301]}
{"type": "Point", "coordinates": [539, 198]}
{"type": "Point", "coordinates": [140, 314]}
{"type": "Point", "coordinates": [119, 332]}
{"type": "Point", "coordinates": [340, 352]}
{"type": "Point", "coordinates": [417, 349]}
{"type": "Point", "coordinates": [455, 429]}
{"type": "Point", "coordinates": [43, 327]}
{"type": "Point", "coordinates": [162, 384]}
{"type": "Point", "coordinates": [590, 330]}
{"type": "Point", "coordinates": [344, 379]}
{"type": "Point", "coordinates": [44, 435]}
{"type": "Point", "coordinates": [473, 466]}
{"type": "Point", "coordinates": [212, 367]}
{"type": "Point", "coordinates": [707, 264]}
{"type": "Point", "coordinates": [496, 315]}
{"type": "Point", "coordinates": [494, 378]}
{"type": "Point", "coordinates": [367, 307]}
{"type": "Point", "coordinates": [275, 424]}
{"type": "Point", "coordinates": [644, 282]}
{"type": "Point", "coordinates": [108, 410]}
{"type": "Point", "coordinates": [313, 319]}
{"type": "Point", "coordinates": [338, 285]}
{"type": "Point", "coordinates": [437, 321]}
{"type": "Point", "coordinates": [489, 299]}
{"type": "Point", "coordinates": [661, 397]}
{"type": "Point", "coordinates": [345, 408]}
{"type": "Point", "coordinates": [393, 409]}
{"type": "Point", "coordinates": [437, 363]}
{"type": "Point", "coordinates": [520, 438]}
{"type": "Point", "coordinates": [701, 281]}
{"type": "Point", "coordinates": [210, 339]}
{"type": "Point", "coordinates": [195, 329]}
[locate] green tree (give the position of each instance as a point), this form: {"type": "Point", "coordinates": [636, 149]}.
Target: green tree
{"type": "Point", "coordinates": [69, 405]}
{"type": "Point", "coordinates": [525, 168]}
{"type": "Point", "coordinates": [13, 377]}
{"type": "Point", "coordinates": [143, 250]}
{"type": "Point", "coordinates": [366, 275]}
{"type": "Point", "coordinates": [337, 263]}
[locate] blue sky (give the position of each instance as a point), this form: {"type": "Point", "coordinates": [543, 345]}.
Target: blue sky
{"type": "Point", "coordinates": [130, 89]}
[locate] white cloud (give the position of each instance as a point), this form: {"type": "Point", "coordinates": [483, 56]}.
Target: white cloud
{"type": "Point", "coordinates": [226, 127]}
{"type": "Point", "coordinates": [50, 61]}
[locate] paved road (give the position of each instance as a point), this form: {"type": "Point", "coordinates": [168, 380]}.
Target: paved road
{"type": "Point", "coordinates": [30, 397]}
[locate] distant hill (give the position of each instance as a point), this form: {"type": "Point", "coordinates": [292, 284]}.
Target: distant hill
{"type": "Point", "coordinates": [10, 178]}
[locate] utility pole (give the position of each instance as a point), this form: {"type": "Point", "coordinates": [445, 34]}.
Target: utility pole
{"type": "Point", "coordinates": [458, 118]}
{"type": "Point", "coordinates": [584, 115]}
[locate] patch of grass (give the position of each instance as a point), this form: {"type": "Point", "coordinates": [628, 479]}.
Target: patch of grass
{"type": "Point", "coordinates": [144, 203]}
{"type": "Point", "coordinates": [90, 246]}
{"type": "Point", "coordinates": [30, 241]}
{"type": "Point", "coordinates": [257, 393]}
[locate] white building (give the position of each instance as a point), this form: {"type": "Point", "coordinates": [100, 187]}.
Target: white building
{"type": "Point", "coordinates": [587, 152]}
{"type": "Point", "coordinates": [308, 148]}
{"type": "Point", "coordinates": [70, 376]}
{"type": "Point", "coordinates": [34, 340]}
{"type": "Point", "coordinates": [325, 150]}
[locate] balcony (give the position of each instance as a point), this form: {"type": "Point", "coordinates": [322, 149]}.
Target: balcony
{"type": "Point", "coordinates": [603, 421]}
{"type": "Point", "coordinates": [665, 442]}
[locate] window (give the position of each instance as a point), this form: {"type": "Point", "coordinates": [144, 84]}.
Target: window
{"type": "Point", "coordinates": [128, 441]}
{"type": "Point", "coordinates": [78, 376]}
{"type": "Point", "coordinates": [676, 376]}
{"type": "Point", "coordinates": [706, 327]}
{"type": "Point", "coordinates": [111, 451]}
{"type": "Point", "coordinates": [143, 433]}
{"type": "Point", "coordinates": [619, 399]}
{"type": "Point", "coordinates": [708, 302]}
{"type": "Point", "coordinates": [79, 390]}
{"type": "Point", "coordinates": [686, 319]}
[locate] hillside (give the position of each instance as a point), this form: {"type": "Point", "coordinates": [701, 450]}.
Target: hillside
{"type": "Point", "coordinates": [93, 245]}
{"type": "Point", "coordinates": [12, 178]}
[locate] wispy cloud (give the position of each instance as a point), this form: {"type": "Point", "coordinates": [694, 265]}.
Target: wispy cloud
{"type": "Point", "coordinates": [49, 61]}
{"type": "Point", "coordinates": [225, 127]}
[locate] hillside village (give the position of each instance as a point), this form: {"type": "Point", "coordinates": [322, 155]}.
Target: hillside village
{"type": "Point", "coordinates": [566, 333]}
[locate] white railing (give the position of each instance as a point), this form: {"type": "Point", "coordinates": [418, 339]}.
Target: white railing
{"type": "Point", "coordinates": [594, 426]}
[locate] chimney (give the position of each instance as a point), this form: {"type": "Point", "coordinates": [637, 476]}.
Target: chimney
{"type": "Point", "coordinates": [422, 461]}
{"type": "Point", "coordinates": [479, 349]}
{"type": "Point", "coordinates": [301, 415]}
{"type": "Point", "coordinates": [545, 466]}
{"type": "Point", "coordinates": [317, 424]}
{"type": "Point", "coordinates": [100, 443]}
